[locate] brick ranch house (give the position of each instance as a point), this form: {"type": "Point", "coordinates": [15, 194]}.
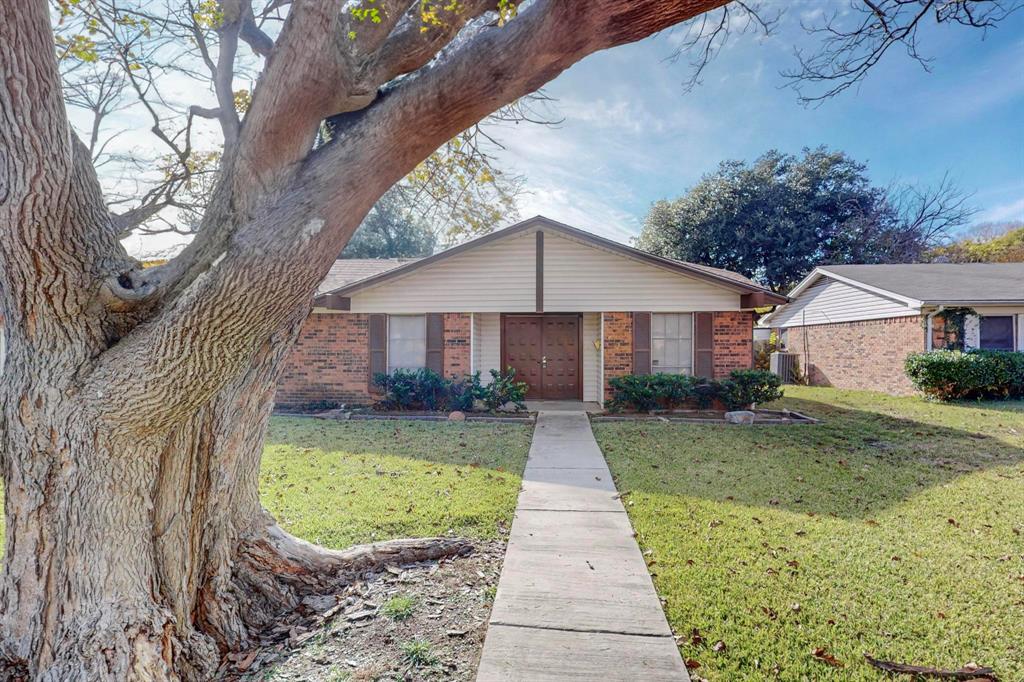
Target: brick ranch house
{"type": "Point", "coordinates": [568, 310]}
{"type": "Point", "coordinates": [854, 325]}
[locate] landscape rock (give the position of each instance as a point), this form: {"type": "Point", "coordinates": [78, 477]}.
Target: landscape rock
{"type": "Point", "coordinates": [457, 416]}
{"type": "Point", "coordinates": [740, 417]}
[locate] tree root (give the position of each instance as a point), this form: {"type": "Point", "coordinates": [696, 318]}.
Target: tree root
{"type": "Point", "coordinates": [281, 586]}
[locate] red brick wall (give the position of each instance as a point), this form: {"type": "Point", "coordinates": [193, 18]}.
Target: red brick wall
{"type": "Point", "coordinates": [457, 331]}
{"type": "Point", "coordinates": [867, 354]}
{"type": "Point", "coordinates": [330, 361]}
{"type": "Point", "coordinates": [618, 347]}
{"type": "Point", "coordinates": [733, 341]}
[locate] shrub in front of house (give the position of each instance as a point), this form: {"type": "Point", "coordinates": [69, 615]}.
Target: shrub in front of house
{"type": "Point", "coordinates": [424, 389]}
{"type": "Point", "coordinates": [647, 392]}
{"type": "Point", "coordinates": [976, 374]}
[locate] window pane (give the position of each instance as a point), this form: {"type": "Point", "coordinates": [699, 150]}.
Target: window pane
{"type": "Point", "coordinates": [671, 342]}
{"type": "Point", "coordinates": [407, 342]}
{"type": "Point", "coordinates": [997, 332]}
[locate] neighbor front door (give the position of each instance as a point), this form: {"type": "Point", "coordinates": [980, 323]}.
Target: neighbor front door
{"type": "Point", "coordinates": [545, 352]}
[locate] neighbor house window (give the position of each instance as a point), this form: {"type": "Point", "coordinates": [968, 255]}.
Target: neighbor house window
{"type": "Point", "coordinates": [997, 332]}
{"type": "Point", "coordinates": [672, 343]}
{"type": "Point", "coordinates": [407, 342]}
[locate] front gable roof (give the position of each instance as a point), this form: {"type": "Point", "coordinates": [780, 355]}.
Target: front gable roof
{"type": "Point", "coordinates": [722, 278]}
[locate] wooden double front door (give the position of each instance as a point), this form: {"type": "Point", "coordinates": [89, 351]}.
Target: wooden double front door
{"type": "Point", "coordinates": [545, 352]}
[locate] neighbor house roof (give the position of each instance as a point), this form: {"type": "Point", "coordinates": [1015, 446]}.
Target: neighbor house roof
{"type": "Point", "coordinates": [725, 278]}
{"type": "Point", "coordinates": [917, 285]}
{"type": "Point", "coordinates": [941, 283]}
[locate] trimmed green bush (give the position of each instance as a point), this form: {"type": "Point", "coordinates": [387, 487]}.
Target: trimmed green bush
{"type": "Point", "coordinates": [424, 389]}
{"type": "Point", "coordinates": [957, 375]}
{"type": "Point", "coordinates": [648, 392]}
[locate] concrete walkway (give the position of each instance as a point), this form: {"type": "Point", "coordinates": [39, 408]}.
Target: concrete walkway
{"type": "Point", "coordinates": [575, 600]}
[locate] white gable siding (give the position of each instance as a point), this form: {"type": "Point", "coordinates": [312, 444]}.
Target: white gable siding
{"type": "Point", "coordinates": [591, 357]}
{"type": "Point", "coordinates": [830, 300]}
{"type": "Point", "coordinates": [583, 278]}
{"type": "Point", "coordinates": [495, 277]}
{"type": "Point", "coordinates": [486, 344]}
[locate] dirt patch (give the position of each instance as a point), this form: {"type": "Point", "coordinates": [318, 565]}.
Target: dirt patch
{"type": "Point", "coordinates": [425, 621]}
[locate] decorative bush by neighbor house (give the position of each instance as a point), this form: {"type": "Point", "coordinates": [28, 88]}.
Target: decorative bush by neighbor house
{"type": "Point", "coordinates": [953, 375]}
{"type": "Point", "coordinates": [567, 310]}
{"type": "Point", "coordinates": [853, 326]}
{"type": "Point", "coordinates": [740, 390]}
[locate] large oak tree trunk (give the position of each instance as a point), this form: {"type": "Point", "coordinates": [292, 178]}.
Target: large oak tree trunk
{"type": "Point", "coordinates": [149, 559]}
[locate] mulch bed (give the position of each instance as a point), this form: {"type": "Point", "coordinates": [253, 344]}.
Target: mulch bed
{"type": "Point", "coordinates": [705, 417]}
{"type": "Point", "coordinates": [441, 639]}
{"type": "Point", "coordinates": [414, 415]}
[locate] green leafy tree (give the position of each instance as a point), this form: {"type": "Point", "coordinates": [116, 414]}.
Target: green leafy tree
{"type": "Point", "coordinates": [777, 218]}
{"type": "Point", "coordinates": [391, 231]}
{"type": "Point", "coordinates": [990, 244]}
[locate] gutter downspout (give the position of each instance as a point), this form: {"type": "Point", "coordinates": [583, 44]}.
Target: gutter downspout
{"type": "Point", "coordinates": [929, 340]}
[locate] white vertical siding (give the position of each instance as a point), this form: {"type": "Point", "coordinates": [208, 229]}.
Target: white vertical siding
{"type": "Point", "coordinates": [830, 300]}
{"type": "Point", "coordinates": [486, 344]}
{"type": "Point", "coordinates": [496, 277]}
{"type": "Point", "coordinates": [583, 278]}
{"type": "Point", "coordinates": [591, 357]}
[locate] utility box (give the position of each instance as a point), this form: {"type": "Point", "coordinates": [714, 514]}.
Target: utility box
{"type": "Point", "coordinates": [784, 365]}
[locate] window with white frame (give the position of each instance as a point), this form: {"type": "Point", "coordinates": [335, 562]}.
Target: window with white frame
{"type": "Point", "coordinates": [672, 343]}
{"type": "Point", "coordinates": [407, 342]}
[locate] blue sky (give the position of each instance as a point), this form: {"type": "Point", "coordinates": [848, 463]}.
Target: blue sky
{"type": "Point", "coordinates": [631, 135]}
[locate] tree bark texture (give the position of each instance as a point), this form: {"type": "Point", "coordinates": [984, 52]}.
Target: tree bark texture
{"type": "Point", "coordinates": [134, 403]}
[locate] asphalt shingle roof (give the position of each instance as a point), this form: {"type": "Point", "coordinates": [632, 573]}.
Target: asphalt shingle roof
{"type": "Point", "coordinates": [347, 270]}
{"type": "Point", "coordinates": [942, 282]}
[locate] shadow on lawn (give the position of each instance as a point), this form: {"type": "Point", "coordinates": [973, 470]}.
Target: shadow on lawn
{"type": "Point", "coordinates": [854, 464]}
{"type": "Point", "coordinates": [501, 447]}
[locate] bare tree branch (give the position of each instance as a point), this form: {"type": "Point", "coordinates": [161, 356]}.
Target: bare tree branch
{"type": "Point", "coordinates": [854, 42]}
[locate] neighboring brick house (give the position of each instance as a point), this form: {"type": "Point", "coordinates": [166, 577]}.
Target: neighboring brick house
{"type": "Point", "coordinates": [568, 310]}
{"type": "Point", "coordinates": [853, 326]}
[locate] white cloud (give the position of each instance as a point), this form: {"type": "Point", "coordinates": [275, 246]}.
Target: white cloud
{"type": "Point", "coordinates": [1013, 210]}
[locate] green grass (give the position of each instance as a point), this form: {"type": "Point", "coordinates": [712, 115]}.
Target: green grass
{"type": "Point", "coordinates": [400, 607]}
{"type": "Point", "coordinates": [894, 528]}
{"type": "Point", "coordinates": [342, 483]}
{"type": "Point", "coordinates": [418, 653]}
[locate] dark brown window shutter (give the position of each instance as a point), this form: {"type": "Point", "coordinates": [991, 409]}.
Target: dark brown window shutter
{"type": "Point", "coordinates": [641, 343]}
{"type": "Point", "coordinates": [435, 342]}
{"type": "Point", "coordinates": [704, 342]}
{"type": "Point", "coordinates": [378, 341]}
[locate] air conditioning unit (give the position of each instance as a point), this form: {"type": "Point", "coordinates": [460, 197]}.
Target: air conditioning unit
{"type": "Point", "coordinates": [784, 365]}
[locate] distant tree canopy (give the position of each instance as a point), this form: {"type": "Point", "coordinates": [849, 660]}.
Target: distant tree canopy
{"type": "Point", "coordinates": [997, 244]}
{"type": "Point", "coordinates": [777, 218]}
{"type": "Point", "coordinates": [391, 231]}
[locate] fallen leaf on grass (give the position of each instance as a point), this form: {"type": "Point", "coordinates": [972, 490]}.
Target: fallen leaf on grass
{"type": "Point", "coordinates": [718, 647]}
{"type": "Point", "coordinates": [696, 638]}
{"type": "Point", "coordinates": [691, 664]}
{"type": "Point", "coordinates": [822, 654]}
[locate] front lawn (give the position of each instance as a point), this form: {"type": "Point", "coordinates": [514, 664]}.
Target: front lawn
{"type": "Point", "coordinates": [894, 528]}
{"type": "Point", "coordinates": [342, 483]}
{"type": "Point", "coordinates": [339, 483]}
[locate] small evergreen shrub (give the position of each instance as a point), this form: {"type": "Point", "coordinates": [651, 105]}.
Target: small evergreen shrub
{"type": "Point", "coordinates": [748, 386]}
{"type": "Point", "coordinates": [648, 392]}
{"type": "Point", "coordinates": [504, 389]}
{"type": "Point", "coordinates": [976, 374]}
